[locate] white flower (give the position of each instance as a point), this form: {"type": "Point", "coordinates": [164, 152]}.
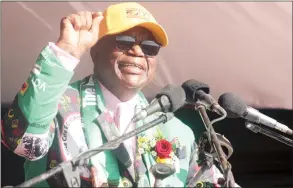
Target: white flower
{"type": "Point", "coordinates": [177, 143]}
{"type": "Point", "coordinates": [144, 145]}
{"type": "Point", "coordinates": [148, 138]}
{"type": "Point", "coordinates": [154, 153]}
{"type": "Point", "coordinates": [153, 143]}
{"type": "Point", "coordinates": [140, 150]}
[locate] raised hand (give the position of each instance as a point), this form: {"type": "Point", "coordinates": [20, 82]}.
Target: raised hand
{"type": "Point", "coordinates": [79, 32]}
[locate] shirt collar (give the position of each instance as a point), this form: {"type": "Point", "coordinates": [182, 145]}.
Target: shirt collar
{"type": "Point", "coordinates": [112, 102]}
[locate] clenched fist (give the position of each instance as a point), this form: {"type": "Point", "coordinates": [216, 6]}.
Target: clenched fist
{"type": "Point", "coordinates": [79, 32]}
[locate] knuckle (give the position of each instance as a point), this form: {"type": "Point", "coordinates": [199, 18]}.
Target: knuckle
{"type": "Point", "coordinates": [64, 19]}
{"type": "Point", "coordinates": [89, 14]}
{"type": "Point", "coordinates": [82, 13]}
{"type": "Point", "coordinates": [72, 16]}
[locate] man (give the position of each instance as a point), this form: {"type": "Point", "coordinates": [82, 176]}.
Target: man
{"type": "Point", "coordinates": [51, 122]}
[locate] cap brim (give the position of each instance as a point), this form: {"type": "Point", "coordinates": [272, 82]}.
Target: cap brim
{"type": "Point", "coordinates": [157, 30]}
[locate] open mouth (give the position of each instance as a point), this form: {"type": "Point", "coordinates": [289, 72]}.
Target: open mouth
{"type": "Point", "coordinates": [131, 68]}
{"type": "Point", "coordinates": [130, 65]}
{"type": "Point", "coordinates": [130, 72]}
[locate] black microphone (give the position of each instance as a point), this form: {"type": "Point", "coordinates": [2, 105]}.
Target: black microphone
{"type": "Point", "coordinates": [170, 99]}
{"type": "Point", "coordinates": [236, 107]}
{"type": "Point", "coordinates": [199, 92]}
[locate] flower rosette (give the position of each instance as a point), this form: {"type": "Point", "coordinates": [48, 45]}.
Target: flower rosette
{"type": "Point", "coordinates": [158, 146]}
{"type": "Point", "coordinates": [164, 157]}
{"type": "Point", "coordinates": [164, 150]}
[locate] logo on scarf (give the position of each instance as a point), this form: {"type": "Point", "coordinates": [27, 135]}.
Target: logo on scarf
{"type": "Point", "coordinates": [74, 120]}
{"type": "Point", "coordinates": [90, 98]}
{"type": "Point", "coordinates": [72, 141]}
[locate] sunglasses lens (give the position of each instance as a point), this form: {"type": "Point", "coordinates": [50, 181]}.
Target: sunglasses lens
{"type": "Point", "coordinates": [150, 48]}
{"type": "Point", "coordinates": [124, 42]}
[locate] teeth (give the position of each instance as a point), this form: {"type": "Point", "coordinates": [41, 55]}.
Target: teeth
{"type": "Point", "coordinates": [130, 65]}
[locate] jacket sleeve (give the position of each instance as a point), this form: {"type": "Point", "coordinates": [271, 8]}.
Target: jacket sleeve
{"type": "Point", "coordinates": [28, 127]}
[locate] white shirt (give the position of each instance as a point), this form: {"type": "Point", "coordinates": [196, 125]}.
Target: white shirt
{"type": "Point", "coordinates": [123, 112]}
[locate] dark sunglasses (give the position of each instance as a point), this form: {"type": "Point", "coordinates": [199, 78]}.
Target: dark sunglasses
{"type": "Point", "coordinates": [148, 47]}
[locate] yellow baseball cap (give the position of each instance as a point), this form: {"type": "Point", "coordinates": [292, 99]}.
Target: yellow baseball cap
{"type": "Point", "coordinates": [124, 16]}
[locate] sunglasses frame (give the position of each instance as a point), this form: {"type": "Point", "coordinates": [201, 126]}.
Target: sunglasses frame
{"type": "Point", "coordinates": [141, 44]}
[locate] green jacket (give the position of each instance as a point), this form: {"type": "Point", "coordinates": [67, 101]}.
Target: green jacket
{"type": "Point", "coordinates": [48, 123]}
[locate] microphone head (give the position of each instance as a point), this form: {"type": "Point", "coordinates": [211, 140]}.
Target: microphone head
{"type": "Point", "coordinates": [175, 95]}
{"type": "Point", "coordinates": [234, 106]}
{"type": "Point", "coordinates": [191, 87]}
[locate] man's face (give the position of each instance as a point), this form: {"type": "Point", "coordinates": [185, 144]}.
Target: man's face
{"type": "Point", "coordinates": [127, 58]}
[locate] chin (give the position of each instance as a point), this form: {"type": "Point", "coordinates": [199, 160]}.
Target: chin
{"type": "Point", "coordinates": [133, 83]}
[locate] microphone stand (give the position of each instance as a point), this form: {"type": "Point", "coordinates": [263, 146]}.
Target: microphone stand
{"type": "Point", "coordinates": [206, 162]}
{"type": "Point", "coordinates": [70, 168]}
{"type": "Point", "coordinates": [257, 129]}
{"type": "Point", "coordinates": [224, 164]}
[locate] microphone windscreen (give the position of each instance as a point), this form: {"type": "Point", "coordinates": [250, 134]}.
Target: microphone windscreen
{"type": "Point", "coordinates": [191, 87]}
{"type": "Point", "coordinates": [175, 94]}
{"type": "Point", "coordinates": [234, 106]}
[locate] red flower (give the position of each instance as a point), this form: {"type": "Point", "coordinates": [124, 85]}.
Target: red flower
{"type": "Point", "coordinates": [163, 149]}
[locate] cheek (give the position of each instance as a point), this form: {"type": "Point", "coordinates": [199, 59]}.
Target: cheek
{"type": "Point", "coordinates": [114, 56]}
{"type": "Point", "coordinates": [152, 66]}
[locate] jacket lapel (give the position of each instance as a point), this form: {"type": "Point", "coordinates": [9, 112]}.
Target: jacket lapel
{"type": "Point", "coordinates": [149, 161]}
{"type": "Point", "coordinates": [92, 106]}
{"type": "Point", "coordinates": [143, 162]}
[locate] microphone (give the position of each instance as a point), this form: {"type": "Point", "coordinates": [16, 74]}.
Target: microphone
{"type": "Point", "coordinates": [199, 92]}
{"type": "Point", "coordinates": [170, 99]}
{"type": "Point", "coordinates": [236, 107]}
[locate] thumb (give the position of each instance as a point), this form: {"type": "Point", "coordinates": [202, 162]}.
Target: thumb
{"type": "Point", "coordinates": [97, 18]}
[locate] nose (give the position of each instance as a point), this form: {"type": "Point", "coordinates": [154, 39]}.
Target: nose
{"type": "Point", "coordinates": [136, 51]}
